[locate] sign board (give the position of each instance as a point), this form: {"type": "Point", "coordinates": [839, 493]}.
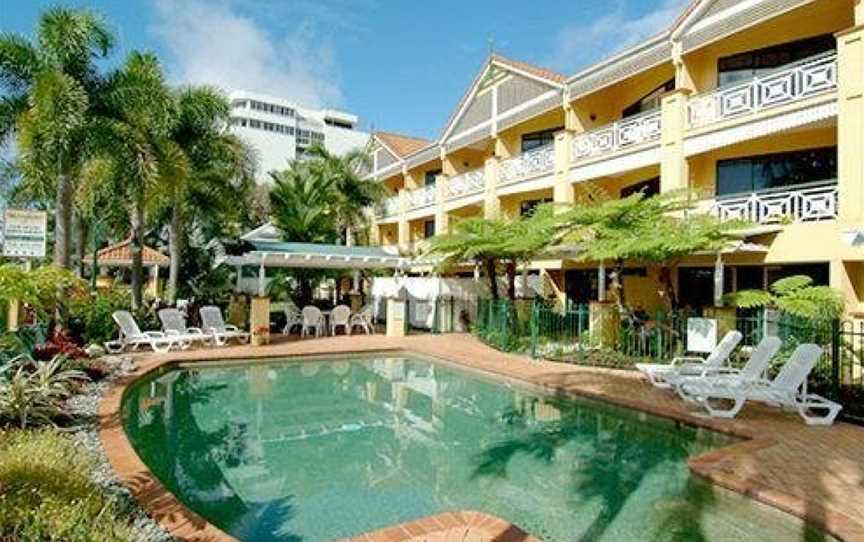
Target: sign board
{"type": "Point", "coordinates": [25, 233]}
{"type": "Point", "coordinates": [701, 335]}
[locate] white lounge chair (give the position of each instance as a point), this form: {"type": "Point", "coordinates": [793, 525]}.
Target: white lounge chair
{"type": "Point", "coordinates": [213, 324]}
{"type": "Point", "coordinates": [363, 319]}
{"type": "Point", "coordinates": [340, 316]}
{"type": "Point", "coordinates": [174, 324]}
{"type": "Point", "coordinates": [788, 390]}
{"type": "Point", "coordinates": [293, 318]}
{"type": "Point", "coordinates": [313, 319]}
{"type": "Point", "coordinates": [131, 336]}
{"type": "Point", "coordinates": [753, 370]}
{"type": "Point", "coordinates": [657, 373]}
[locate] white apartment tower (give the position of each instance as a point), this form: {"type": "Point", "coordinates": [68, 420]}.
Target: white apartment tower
{"type": "Point", "coordinates": [281, 131]}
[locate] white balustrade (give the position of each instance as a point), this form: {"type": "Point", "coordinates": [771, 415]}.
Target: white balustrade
{"type": "Point", "coordinates": [390, 207]}
{"type": "Point", "coordinates": [807, 78]}
{"type": "Point", "coordinates": [817, 201]}
{"type": "Point", "coordinates": [466, 183]}
{"type": "Point", "coordinates": [421, 197]}
{"type": "Point", "coordinates": [618, 135]}
{"type": "Point", "coordinates": [528, 164]}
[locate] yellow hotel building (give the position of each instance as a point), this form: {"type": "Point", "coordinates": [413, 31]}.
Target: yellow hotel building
{"type": "Point", "coordinates": [757, 106]}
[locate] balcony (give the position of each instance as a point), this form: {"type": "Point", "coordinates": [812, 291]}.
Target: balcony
{"type": "Point", "coordinates": [527, 165]}
{"type": "Point", "coordinates": [389, 207]}
{"type": "Point", "coordinates": [421, 197]}
{"type": "Point", "coordinates": [810, 77]}
{"type": "Point", "coordinates": [801, 203]}
{"type": "Point", "coordinates": [464, 184]}
{"type": "Point", "coordinates": [620, 135]}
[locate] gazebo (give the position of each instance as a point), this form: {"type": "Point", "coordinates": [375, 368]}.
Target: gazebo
{"type": "Point", "coordinates": [119, 255]}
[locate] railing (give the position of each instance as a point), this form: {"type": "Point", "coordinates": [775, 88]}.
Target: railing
{"type": "Point", "coordinates": [804, 203]}
{"type": "Point", "coordinates": [619, 135]}
{"type": "Point", "coordinates": [421, 197]}
{"type": "Point", "coordinates": [390, 207]}
{"type": "Point", "coordinates": [807, 78]}
{"type": "Point", "coordinates": [528, 164]}
{"type": "Point", "coordinates": [466, 183]}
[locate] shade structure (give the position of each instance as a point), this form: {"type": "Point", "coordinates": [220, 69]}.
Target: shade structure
{"type": "Point", "coordinates": [319, 256]}
{"type": "Point", "coordinates": [120, 255]}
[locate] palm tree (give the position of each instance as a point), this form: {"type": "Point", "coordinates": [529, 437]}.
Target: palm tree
{"type": "Point", "coordinates": [302, 204]}
{"type": "Point", "coordinates": [131, 139]}
{"type": "Point", "coordinates": [218, 176]}
{"type": "Point", "coordinates": [352, 193]}
{"type": "Point", "coordinates": [48, 87]}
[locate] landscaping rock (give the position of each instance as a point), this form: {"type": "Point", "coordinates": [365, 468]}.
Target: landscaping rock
{"type": "Point", "coordinates": [84, 408]}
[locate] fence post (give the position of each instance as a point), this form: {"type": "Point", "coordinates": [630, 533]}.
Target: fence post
{"type": "Point", "coordinates": [535, 312]}
{"type": "Point", "coordinates": [835, 358]}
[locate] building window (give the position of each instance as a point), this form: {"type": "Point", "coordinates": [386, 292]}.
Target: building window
{"type": "Point", "coordinates": [746, 66]}
{"type": "Point", "coordinates": [535, 140]}
{"type": "Point", "coordinates": [651, 187]}
{"type": "Point", "coordinates": [695, 287]}
{"type": "Point", "coordinates": [527, 207]}
{"type": "Point", "coordinates": [429, 229]}
{"type": "Point", "coordinates": [650, 101]}
{"type": "Point", "coordinates": [755, 173]}
{"type": "Point", "coordinates": [431, 176]}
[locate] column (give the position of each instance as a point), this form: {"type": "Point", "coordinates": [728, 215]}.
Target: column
{"type": "Point", "coordinates": [403, 236]}
{"type": "Point", "coordinates": [563, 190]}
{"type": "Point", "coordinates": [674, 172]}
{"type": "Point", "coordinates": [850, 121]}
{"type": "Point", "coordinates": [601, 282]}
{"type": "Point", "coordinates": [491, 203]}
{"type": "Point", "coordinates": [239, 283]}
{"type": "Point", "coordinates": [719, 270]}
{"type": "Point", "coordinates": [262, 280]}
{"type": "Point", "coordinates": [442, 219]}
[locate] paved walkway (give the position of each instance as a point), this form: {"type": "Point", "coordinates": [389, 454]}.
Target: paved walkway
{"type": "Point", "coordinates": [813, 472]}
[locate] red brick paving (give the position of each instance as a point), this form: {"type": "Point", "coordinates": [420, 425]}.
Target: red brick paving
{"type": "Point", "coordinates": [813, 472]}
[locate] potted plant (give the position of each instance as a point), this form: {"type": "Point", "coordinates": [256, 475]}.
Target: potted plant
{"type": "Point", "coordinates": [261, 336]}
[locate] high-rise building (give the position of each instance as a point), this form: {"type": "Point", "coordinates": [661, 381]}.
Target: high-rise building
{"type": "Point", "coordinates": [281, 130]}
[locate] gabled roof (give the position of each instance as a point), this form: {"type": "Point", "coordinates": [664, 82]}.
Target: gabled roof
{"type": "Point", "coordinates": [551, 78]}
{"type": "Point", "coordinates": [401, 145]}
{"type": "Point", "coordinates": [120, 255]}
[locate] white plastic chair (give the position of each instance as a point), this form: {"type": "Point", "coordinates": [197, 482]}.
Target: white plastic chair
{"type": "Point", "coordinates": [213, 324]}
{"type": "Point", "coordinates": [293, 318]}
{"type": "Point", "coordinates": [313, 319]}
{"type": "Point", "coordinates": [340, 316]}
{"type": "Point", "coordinates": [788, 390]}
{"type": "Point", "coordinates": [753, 370]}
{"type": "Point", "coordinates": [691, 365]}
{"type": "Point", "coordinates": [131, 336]}
{"type": "Point", "coordinates": [174, 325]}
{"type": "Point", "coordinates": [363, 319]}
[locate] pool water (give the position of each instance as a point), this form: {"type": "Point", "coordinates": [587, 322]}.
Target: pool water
{"type": "Point", "coordinates": [316, 450]}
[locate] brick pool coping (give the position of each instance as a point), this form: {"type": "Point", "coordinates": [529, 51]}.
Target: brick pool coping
{"type": "Point", "coordinates": [815, 473]}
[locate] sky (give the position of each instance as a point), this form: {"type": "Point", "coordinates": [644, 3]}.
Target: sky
{"type": "Point", "coordinates": [402, 66]}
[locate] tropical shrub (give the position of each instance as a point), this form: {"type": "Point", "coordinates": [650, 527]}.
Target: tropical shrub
{"type": "Point", "coordinates": [90, 314]}
{"type": "Point", "coordinates": [46, 493]}
{"type": "Point", "coordinates": [47, 289]}
{"type": "Point", "coordinates": [795, 295]}
{"type": "Point", "coordinates": [33, 393]}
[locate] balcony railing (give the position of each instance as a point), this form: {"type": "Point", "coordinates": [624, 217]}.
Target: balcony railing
{"type": "Point", "coordinates": [528, 164]}
{"type": "Point", "coordinates": [390, 207]}
{"type": "Point", "coordinates": [619, 135]}
{"type": "Point", "coordinates": [466, 183]}
{"type": "Point", "coordinates": [808, 78]}
{"type": "Point", "coordinates": [421, 197]}
{"type": "Point", "coordinates": [803, 203]}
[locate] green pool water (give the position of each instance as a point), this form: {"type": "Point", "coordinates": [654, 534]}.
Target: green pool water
{"type": "Point", "coordinates": [316, 450]}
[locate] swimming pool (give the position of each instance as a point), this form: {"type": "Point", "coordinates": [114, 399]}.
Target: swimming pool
{"type": "Point", "coordinates": [314, 450]}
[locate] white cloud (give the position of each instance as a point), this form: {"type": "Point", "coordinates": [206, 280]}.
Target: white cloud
{"type": "Point", "coordinates": [213, 43]}
{"type": "Point", "coordinates": [581, 44]}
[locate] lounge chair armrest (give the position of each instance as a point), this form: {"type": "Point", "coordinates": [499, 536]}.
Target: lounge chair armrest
{"type": "Point", "coordinates": [687, 359]}
{"type": "Point", "coordinates": [195, 330]}
{"type": "Point", "coordinates": [155, 334]}
{"type": "Point", "coordinates": [232, 328]}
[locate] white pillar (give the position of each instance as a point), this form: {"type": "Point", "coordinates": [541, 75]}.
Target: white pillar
{"type": "Point", "coordinates": [239, 284]}
{"type": "Point", "coordinates": [718, 280]}
{"type": "Point", "coordinates": [262, 280]}
{"type": "Point", "coordinates": [355, 282]}
{"type": "Point", "coordinates": [601, 282]}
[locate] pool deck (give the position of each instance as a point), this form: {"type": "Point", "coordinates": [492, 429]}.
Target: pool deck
{"type": "Point", "coordinates": [816, 473]}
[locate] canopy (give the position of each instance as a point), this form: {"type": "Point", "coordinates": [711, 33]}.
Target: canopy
{"type": "Point", "coordinates": [319, 256]}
